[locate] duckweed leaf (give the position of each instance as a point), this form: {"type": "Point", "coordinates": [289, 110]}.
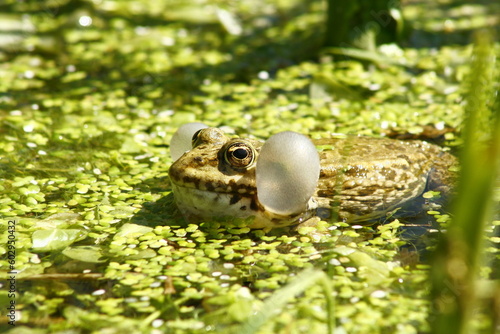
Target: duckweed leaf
{"type": "Point", "coordinates": [129, 229]}
{"type": "Point", "coordinates": [278, 300]}
{"type": "Point", "coordinates": [369, 268]}
{"type": "Point", "coordinates": [91, 254]}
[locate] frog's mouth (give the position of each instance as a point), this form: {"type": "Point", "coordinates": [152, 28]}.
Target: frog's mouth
{"type": "Point", "coordinates": [208, 203]}
{"type": "Point", "coordinates": [197, 203]}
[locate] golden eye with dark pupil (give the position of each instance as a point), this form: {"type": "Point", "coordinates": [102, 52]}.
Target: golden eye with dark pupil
{"type": "Point", "coordinates": [239, 155]}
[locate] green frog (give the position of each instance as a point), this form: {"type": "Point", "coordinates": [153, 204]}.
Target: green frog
{"type": "Point", "coordinates": [290, 178]}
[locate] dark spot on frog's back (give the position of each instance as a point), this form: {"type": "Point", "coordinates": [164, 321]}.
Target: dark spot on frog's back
{"type": "Point", "coordinates": [388, 173]}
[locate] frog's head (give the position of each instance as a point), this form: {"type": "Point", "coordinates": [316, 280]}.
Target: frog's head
{"type": "Point", "coordinates": [216, 176]}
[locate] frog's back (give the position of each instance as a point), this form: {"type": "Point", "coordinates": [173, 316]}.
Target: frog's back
{"type": "Point", "coordinates": [363, 178]}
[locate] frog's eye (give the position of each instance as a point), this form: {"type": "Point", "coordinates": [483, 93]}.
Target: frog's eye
{"type": "Point", "coordinates": [287, 173]}
{"type": "Point", "coordinates": [183, 138]}
{"type": "Point", "coordinates": [239, 155]}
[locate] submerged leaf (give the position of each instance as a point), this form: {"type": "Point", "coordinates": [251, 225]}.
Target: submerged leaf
{"type": "Point", "coordinates": [91, 254]}
{"type": "Point", "coordinates": [49, 240]}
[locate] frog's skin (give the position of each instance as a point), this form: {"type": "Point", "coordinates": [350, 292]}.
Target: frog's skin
{"type": "Point", "coordinates": [289, 178]}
